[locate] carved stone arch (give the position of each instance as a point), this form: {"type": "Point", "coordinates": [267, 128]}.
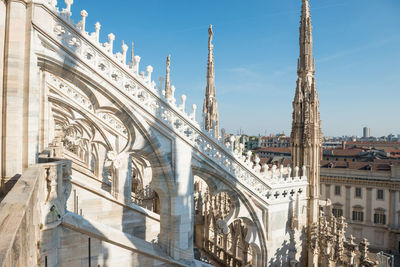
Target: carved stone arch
{"type": "Point", "coordinates": [68, 105]}
{"type": "Point", "coordinates": [162, 183]}
{"type": "Point", "coordinates": [243, 205]}
{"type": "Point", "coordinates": [164, 174]}
{"type": "Point", "coordinates": [86, 86]}
{"type": "Point", "coordinates": [207, 176]}
{"type": "Point", "coordinates": [71, 75]}
{"type": "Point", "coordinates": [141, 187]}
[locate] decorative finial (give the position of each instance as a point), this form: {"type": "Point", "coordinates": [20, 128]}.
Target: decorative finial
{"type": "Point", "coordinates": [149, 70]}
{"type": "Point", "coordinates": [97, 27]}
{"type": "Point", "coordinates": [111, 38]}
{"type": "Point", "coordinates": [69, 3]}
{"type": "Point", "coordinates": [84, 14]}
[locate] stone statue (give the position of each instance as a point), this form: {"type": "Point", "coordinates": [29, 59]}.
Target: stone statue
{"type": "Point", "coordinates": [168, 90]}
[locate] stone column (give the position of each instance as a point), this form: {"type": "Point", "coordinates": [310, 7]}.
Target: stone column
{"type": "Point", "coordinates": [32, 98]}
{"type": "Point", "coordinates": [3, 16]}
{"type": "Point", "coordinates": [182, 203]}
{"type": "Point", "coordinates": [13, 91]}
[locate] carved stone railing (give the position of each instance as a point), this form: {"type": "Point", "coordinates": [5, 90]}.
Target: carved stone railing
{"type": "Point", "coordinates": [35, 202]}
{"type": "Point", "coordinates": [270, 185]}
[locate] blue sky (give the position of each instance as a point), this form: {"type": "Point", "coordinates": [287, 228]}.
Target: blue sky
{"type": "Point", "coordinates": [356, 48]}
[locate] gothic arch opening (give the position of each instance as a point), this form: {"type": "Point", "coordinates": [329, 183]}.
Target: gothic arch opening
{"type": "Point", "coordinates": [142, 191]}
{"type": "Point", "coordinates": [216, 242]}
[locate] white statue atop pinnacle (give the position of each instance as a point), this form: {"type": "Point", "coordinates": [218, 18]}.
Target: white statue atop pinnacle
{"type": "Point", "coordinates": [210, 107]}
{"type": "Point", "coordinates": [168, 89]}
{"type": "Point", "coordinates": [124, 51]}
{"type": "Point", "coordinates": [132, 63]}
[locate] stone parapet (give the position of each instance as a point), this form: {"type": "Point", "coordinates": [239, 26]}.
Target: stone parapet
{"type": "Point", "coordinates": [33, 203]}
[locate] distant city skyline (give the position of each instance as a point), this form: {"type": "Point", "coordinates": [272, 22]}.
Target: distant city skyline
{"type": "Point", "coordinates": [266, 133]}
{"type": "Point", "coordinates": [256, 51]}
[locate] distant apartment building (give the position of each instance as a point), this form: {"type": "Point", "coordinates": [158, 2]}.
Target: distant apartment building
{"type": "Point", "coordinates": [264, 152]}
{"type": "Point", "coordinates": [368, 196]}
{"type": "Point", "coordinates": [279, 140]}
{"type": "Point", "coordinates": [251, 143]}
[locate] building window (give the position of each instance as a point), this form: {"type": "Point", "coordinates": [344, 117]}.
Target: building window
{"type": "Point", "coordinates": [358, 192]}
{"type": "Point", "coordinates": [358, 214]}
{"type": "Point", "coordinates": [379, 216]}
{"type": "Point", "coordinates": [337, 212]}
{"type": "Point", "coordinates": [337, 190]}
{"type": "Point", "coordinates": [379, 194]}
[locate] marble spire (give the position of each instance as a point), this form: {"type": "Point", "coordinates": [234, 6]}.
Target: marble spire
{"type": "Point", "coordinates": [168, 90]}
{"type": "Point", "coordinates": [306, 125]}
{"type": "Point", "coordinates": [210, 107]}
{"type": "Point", "coordinates": [306, 61]}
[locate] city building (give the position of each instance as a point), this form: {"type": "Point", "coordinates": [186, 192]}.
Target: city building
{"type": "Point", "coordinates": [368, 196]}
{"type": "Point", "coordinates": [251, 143]}
{"type": "Point", "coordinates": [273, 152]}
{"type": "Point", "coordinates": [279, 140]}
{"type": "Point", "coordinates": [366, 132]}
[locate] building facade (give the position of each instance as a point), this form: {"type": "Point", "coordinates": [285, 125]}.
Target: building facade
{"type": "Point", "coordinates": [279, 140]}
{"type": "Point", "coordinates": [368, 199]}
{"type": "Point", "coordinates": [366, 132]}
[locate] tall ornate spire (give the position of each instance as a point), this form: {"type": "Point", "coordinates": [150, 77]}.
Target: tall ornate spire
{"type": "Point", "coordinates": [168, 91]}
{"type": "Point", "coordinates": [210, 107]}
{"type": "Point", "coordinates": [306, 125]}
{"type": "Point", "coordinates": [306, 60]}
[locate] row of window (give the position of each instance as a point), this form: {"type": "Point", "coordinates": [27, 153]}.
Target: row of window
{"type": "Point", "coordinates": [358, 215]}
{"type": "Point", "coordinates": [358, 192]}
{"type": "Point", "coordinates": [337, 159]}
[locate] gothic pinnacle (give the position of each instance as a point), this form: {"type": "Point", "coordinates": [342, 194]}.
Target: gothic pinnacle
{"type": "Point", "coordinates": [306, 124]}
{"type": "Point", "coordinates": [306, 60]}
{"type": "Point", "coordinates": [210, 107]}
